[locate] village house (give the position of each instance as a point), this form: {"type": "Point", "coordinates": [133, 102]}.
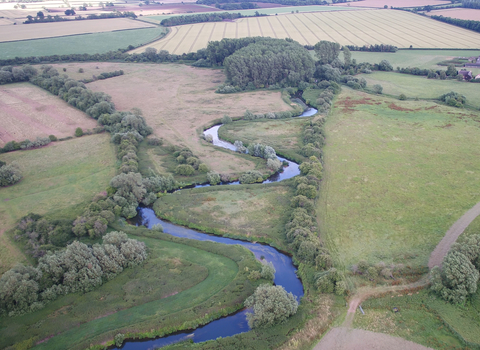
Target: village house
{"type": "Point", "coordinates": [473, 62]}
{"type": "Point", "coordinates": [467, 74]}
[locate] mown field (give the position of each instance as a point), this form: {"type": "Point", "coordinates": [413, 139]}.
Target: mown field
{"type": "Point", "coordinates": [48, 30]}
{"type": "Point", "coordinates": [85, 43]}
{"type": "Point", "coordinates": [397, 3]}
{"type": "Point", "coordinates": [55, 178]}
{"type": "Point", "coordinates": [422, 318]}
{"type": "Point", "coordinates": [397, 176]}
{"type": "Point", "coordinates": [254, 212]}
{"type": "Point", "coordinates": [415, 86]}
{"type": "Point", "coordinates": [178, 101]}
{"type": "Point", "coordinates": [27, 112]}
{"type": "Point", "coordinates": [398, 28]}
{"type": "Point", "coordinates": [461, 13]}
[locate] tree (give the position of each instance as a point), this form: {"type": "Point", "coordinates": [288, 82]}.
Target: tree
{"type": "Point", "coordinates": [384, 65]}
{"type": "Point", "coordinates": [213, 178]}
{"type": "Point", "coordinates": [377, 88]}
{"type": "Point", "coordinates": [40, 15]}
{"type": "Point", "coordinates": [268, 271]}
{"type": "Point", "coordinates": [10, 174]}
{"type": "Point", "coordinates": [326, 51]}
{"type": "Point", "coordinates": [271, 305]}
{"type": "Point", "coordinates": [347, 57]}
{"type": "Point", "coordinates": [451, 70]}
{"type": "Point", "coordinates": [78, 132]}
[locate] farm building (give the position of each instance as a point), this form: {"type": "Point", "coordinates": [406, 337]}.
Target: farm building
{"type": "Point", "coordinates": [473, 62]}
{"type": "Point", "coordinates": [467, 74]}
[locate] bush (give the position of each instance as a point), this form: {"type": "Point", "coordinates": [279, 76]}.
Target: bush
{"type": "Point", "coordinates": [213, 178]}
{"type": "Point", "coordinates": [153, 141]}
{"type": "Point", "coordinates": [80, 70]}
{"type": "Point", "coordinates": [78, 132]}
{"type": "Point", "coordinates": [377, 88]}
{"type": "Point", "coordinates": [271, 305]}
{"type": "Point", "coordinates": [226, 119]}
{"type": "Point", "coordinates": [402, 97]}
{"type": "Point", "coordinates": [251, 177]}
{"type": "Point", "coordinates": [52, 138]}
{"type": "Point", "coordinates": [185, 170]}
{"type": "Point", "coordinates": [119, 339]}
{"type": "Point", "coordinates": [10, 174]}
{"type": "Point", "coordinates": [157, 227]}
{"type": "Point", "coordinates": [203, 168]}
{"type": "Point", "coordinates": [268, 271]}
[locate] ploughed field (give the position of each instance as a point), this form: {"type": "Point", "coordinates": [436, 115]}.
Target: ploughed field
{"type": "Point", "coordinates": [368, 27]}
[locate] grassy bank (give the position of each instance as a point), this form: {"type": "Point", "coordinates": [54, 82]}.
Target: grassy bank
{"type": "Point", "coordinates": [397, 176]}
{"type": "Point", "coordinates": [57, 178]}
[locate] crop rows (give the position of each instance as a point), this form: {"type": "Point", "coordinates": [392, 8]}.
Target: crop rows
{"type": "Point", "coordinates": [367, 27]}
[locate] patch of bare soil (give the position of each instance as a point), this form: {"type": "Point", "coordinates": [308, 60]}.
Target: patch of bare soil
{"type": "Point", "coordinates": [27, 112]}
{"type": "Point", "coordinates": [178, 101]}
{"type": "Point", "coordinates": [401, 109]}
{"type": "Point", "coordinates": [349, 104]}
{"type": "Point", "coordinates": [342, 338]}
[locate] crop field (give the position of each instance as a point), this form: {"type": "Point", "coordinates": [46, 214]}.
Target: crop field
{"type": "Point", "coordinates": [398, 28]}
{"type": "Point", "coordinates": [27, 112]}
{"type": "Point", "coordinates": [461, 13]}
{"type": "Point", "coordinates": [425, 59]}
{"type": "Point", "coordinates": [398, 174]}
{"type": "Point", "coordinates": [85, 43]}
{"type": "Point", "coordinates": [61, 175]}
{"type": "Point", "coordinates": [55, 29]}
{"type": "Point", "coordinates": [249, 211]}
{"type": "Point", "coordinates": [397, 3]}
{"type": "Point", "coordinates": [414, 86]}
{"type": "Point", "coordinates": [177, 101]}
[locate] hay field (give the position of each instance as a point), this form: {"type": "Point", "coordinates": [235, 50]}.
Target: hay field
{"type": "Point", "coordinates": [178, 100]}
{"type": "Point", "coordinates": [398, 28]}
{"type": "Point", "coordinates": [27, 112]}
{"type": "Point", "coordinates": [397, 3]}
{"type": "Point", "coordinates": [460, 13]}
{"type": "Point", "coordinates": [398, 174]}
{"type": "Point", "coordinates": [56, 29]}
{"type": "Point", "coordinates": [56, 177]}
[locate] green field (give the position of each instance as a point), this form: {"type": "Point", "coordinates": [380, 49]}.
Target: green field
{"type": "Point", "coordinates": [415, 86]}
{"type": "Point", "coordinates": [285, 136]}
{"type": "Point", "coordinates": [57, 177]}
{"type": "Point", "coordinates": [267, 11]}
{"type": "Point", "coordinates": [253, 212]}
{"type": "Point", "coordinates": [397, 176]}
{"type": "Point", "coordinates": [365, 27]}
{"type": "Point", "coordinates": [422, 318]}
{"type": "Point", "coordinates": [181, 282]}
{"type": "Point", "coordinates": [86, 43]}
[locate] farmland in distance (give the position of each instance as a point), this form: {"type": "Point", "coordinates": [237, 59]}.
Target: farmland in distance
{"type": "Point", "coordinates": [398, 28]}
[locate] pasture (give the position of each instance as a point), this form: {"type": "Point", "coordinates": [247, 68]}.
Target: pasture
{"type": "Point", "coordinates": [460, 13]}
{"type": "Point", "coordinates": [55, 29]}
{"type": "Point", "coordinates": [56, 178]}
{"type": "Point", "coordinates": [179, 101]}
{"type": "Point", "coordinates": [27, 112]}
{"type": "Point", "coordinates": [415, 86]}
{"type": "Point", "coordinates": [398, 28]}
{"type": "Point", "coordinates": [85, 43]}
{"type": "Point", "coordinates": [398, 174]}
{"type": "Point", "coordinates": [253, 212]}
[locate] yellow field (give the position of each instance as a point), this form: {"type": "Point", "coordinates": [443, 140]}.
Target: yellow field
{"type": "Point", "coordinates": [48, 30]}
{"type": "Point", "coordinates": [398, 28]}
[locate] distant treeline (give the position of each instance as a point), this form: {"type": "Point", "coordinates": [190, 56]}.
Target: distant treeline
{"type": "Point", "coordinates": [57, 18]}
{"type": "Point", "coordinates": [281, 2]}
{"type": "Point", "coordinates": [241, 6]}
{"type": "Point", "coordinates": [208, 17]}
{"type": "Point", "coordinates": [373, 48]}
{"type": "Point", "coordinates": [468, 24]}
{"type": "Point", "coordinates": [472, 4]}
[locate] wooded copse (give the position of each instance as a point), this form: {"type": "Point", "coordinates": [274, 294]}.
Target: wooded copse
{"type": "Point", "coordinates": [78, 268]}
{"type": "Point", "coordinates": [9, 174]}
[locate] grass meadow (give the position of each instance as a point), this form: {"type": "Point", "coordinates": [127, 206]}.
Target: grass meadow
{"type": "Point", "coordinates": [85, 43]}
{"type": "Point", "coordinates": [422, 318]}
{"type": "Point", "coordinates": [181, 281]}
{"type": "Point", "coordinates": [415, 86]}
{"type": "Point", "coordinates": [253, 212]}
{"type": "Point", "coordinates": [366, 27]}
{"type": "Point", "coordinates": [58, 177]}
{"type": "Point", "coordinates": [397, 176]}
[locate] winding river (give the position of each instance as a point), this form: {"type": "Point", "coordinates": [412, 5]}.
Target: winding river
{"type": "Point", "coordinates": [235, 323]}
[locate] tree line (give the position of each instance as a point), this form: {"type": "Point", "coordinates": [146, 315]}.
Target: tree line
{"type": "Point", "coordinates": [373, 48]}
{"type": "Point", "coordinates": [236, 6]}
{"type": "Point", "coordinates": [472, 4]}
{"type": "Point", "coordinates": [41, 18]}
{"type": "Point", "coordinates": [464, 23]}
{"type": "Point", "coordinates": [200, 18]}
{"type": "Point", "coordinates": [281, 2]}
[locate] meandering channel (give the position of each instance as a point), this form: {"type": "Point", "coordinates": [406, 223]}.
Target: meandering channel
{"type": "Point", "coordinates": [285, 270]}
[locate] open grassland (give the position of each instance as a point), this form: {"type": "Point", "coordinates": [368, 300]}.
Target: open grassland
{"type": "Point", "coordinates": [398, 28]}
{"type": "Point", "coordinates": [254, 212]}
{"type": "Point", "coordinates": [283, 135]}
{"type": "Point", "coordinates": [48, 30]}
{"type": "Point", "coordinates": [181, 281]}
{"type": "Point", "coordinates": [414, 86]}
{"type": "Point", "coordinates": [397, 3]}
{"type": "Point", "coordinates": [27, 112]}
{"type": "Point", "coordinates": [267, 11]}
{"type": "Point", "coordinates": [86, 43]}
{"type": "Point", "coordinates": [461, 13]}
{"type": "Point", "coordinates": [56, 177]}
{"type": "Point", "coordinates": [422, 318]}
{"type": "Point", "coordinates": [178, 101]}
{"type": "Point", "coordinates": [397, 176]}
{"type": "Point", "coordinates": [425, 59]}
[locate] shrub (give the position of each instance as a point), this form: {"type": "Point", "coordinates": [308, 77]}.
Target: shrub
{"type": "Point", "coordinates": [203, 168]}
{"type": "Point", "coordinates": [78, 132]}
{"type": "Point", "coordinates": [10, 174]}
{"type": "Point", "coordinates": [209, 138]}
{"type": "Point", "coordinates": [157, 227]}
{"type": "Point", "coordinates": [251, 177]}
{"type": "Point", "coordinates": [271, 305]}
{"type": "Point", "coordinates": [185, 170]}
{"type": "Point", "coordinates": [402, 97]}
{"type": "Point", "coordinates": [377, 88]}
{"type": "Point", "coordinates": [226, 119]}
{"type": "Point", "coordinates": [154, 141]}
{"type": "Point", "coordinates": [213, 178]}
{"type": "Point", "coordinates": [80, 70]}
{"type": "Point", "coordinates": [268, 271]}
{"type": "Point", "coordinates": [119, 339]}
{"type": "Point", "coordinates": [52, 138]}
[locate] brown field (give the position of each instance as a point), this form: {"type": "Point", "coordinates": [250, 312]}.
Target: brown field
{"type": "Point", "coordinates": [48, 30]}
{"type": "Point", "coordinates": [460, 13]}
{"type": "Point", "coordinates": [26, 111]}
{"type": "Point", "coordinates": [173, 8]}
{"type": "Point", "coordinates": [396, 3]}
{"type": "Point", "coordinates": [177, 100]}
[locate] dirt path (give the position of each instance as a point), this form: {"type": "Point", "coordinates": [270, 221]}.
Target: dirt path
{"type": "Point", "coordinates": [451, 236]}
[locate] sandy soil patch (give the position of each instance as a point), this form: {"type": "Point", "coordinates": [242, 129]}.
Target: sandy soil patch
{"type": "Point", "coordinates": [48, 30]}
{"type": "Point", "coordinates": [461, 13]}
{"type": "Point", "coordinates": [26, 111]}
{"type": "Point", "coordinates": [396, 3]}
{"type": "Point", "coordinates": [177, 100]}
{"type": "Point", "coordinates": [357, 339]}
